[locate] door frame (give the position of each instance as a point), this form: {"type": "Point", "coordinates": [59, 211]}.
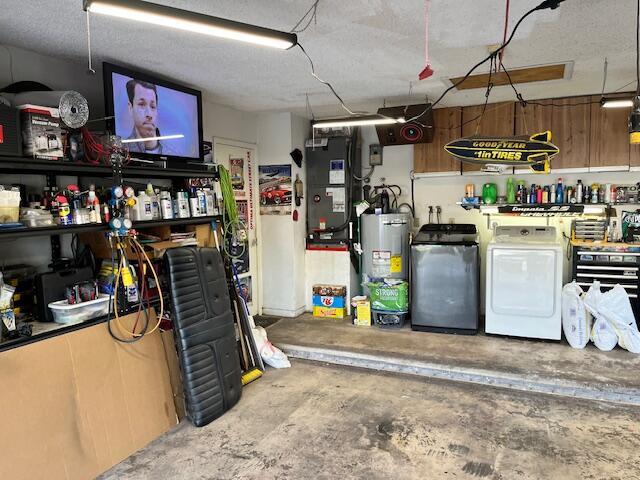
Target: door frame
{"type": "Point", "coordinates": [229, 142]}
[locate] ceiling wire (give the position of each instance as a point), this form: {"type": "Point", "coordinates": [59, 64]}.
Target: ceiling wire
{"type": "Point", "coordinates": [604, 76]}
{"type": "Point", "coordinates": [308, 107]}
{"type": "Point", "coordinates": [486, 95]}
{"type": "Point", "coordinates": [313, 10]}
{"type": "Point", "coordinates": [544, 5]}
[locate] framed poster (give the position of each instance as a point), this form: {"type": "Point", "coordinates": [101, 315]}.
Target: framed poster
{"type": "Point", "coordinates": [275, 189]}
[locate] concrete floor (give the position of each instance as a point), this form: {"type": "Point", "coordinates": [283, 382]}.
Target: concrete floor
{"type": "Point", "coordinates": [530, 360]}
{"type": "Point", "coordinates": [328, 422]}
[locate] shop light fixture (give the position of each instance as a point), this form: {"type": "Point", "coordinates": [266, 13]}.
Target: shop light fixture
{"type": "Point", "coordinates": [616, 103]}
{"type": "Point", "coordinates": [357, 121]}
{"type": "Point", "coordinates": [151, 139]}
{"type": "Point", "coordinates": [164, 16]}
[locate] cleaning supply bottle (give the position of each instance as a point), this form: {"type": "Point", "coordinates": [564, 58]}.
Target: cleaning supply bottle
{"type": "Point", "coordinates": [538, 194]}
{"type": "Point", "coordinates": [511, 191]}
{"type": "Point", "coordinates": [144, 206]}
{"type": "Point", "coordinates": [183, 204]}
{"type": "Point", "coordinates": [559, 192]}
{"type": "Point", "coordinates": [552, 193]}
{"type": "Point", "coordinates": [193, 203]}
{"type": "Point", "coordinates": [155, 202]}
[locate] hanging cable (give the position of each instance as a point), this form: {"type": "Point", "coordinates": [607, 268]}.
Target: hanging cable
{"type": "Point", "coordinates": [552, 4]}
{"type": "Point", "coordinates": [91, 70]}
{"type": "Point", "coordinates": [486, 95]}
{"type": "Point", "coordinates": [313, 10]}
{"type": "Point", "coordinates": [233, 227]}
{"type": "Point", "coordinates": [604, 76]}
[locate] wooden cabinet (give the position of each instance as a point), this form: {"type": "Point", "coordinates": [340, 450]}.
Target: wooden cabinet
{"type": "Point", "coordinates": [431, 157]}
{"type": "Point", "coordinates": [610, 147]}
{"type": "Point", "coordinates": [570, 126]}
{"type": "Point", "coordinates": [498, 119]}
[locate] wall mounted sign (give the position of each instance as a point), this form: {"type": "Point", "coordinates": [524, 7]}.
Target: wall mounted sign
{"type": "Point", "coordinates": [275, 189]}
{"type": "Point", "coordinates": [534, 151]}
{"type": "Point", "coordinates": [542, 210]}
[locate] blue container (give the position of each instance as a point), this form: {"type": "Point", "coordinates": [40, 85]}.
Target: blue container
{"type": "Point", "coordinates": [328, 301]}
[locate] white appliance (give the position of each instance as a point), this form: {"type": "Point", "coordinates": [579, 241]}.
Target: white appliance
{"type": "Point", "coordinates": [524, 282]}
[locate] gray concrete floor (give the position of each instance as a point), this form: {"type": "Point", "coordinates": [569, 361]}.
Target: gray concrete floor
{"type": "Point", "coordinates": [328, 422]}
{"type": "Point", "coordinates": [531, 359]}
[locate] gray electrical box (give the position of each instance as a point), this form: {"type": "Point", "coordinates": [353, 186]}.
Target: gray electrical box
{"type": "Point", "coordinates": [375, 155]}
{"type": "Point", "coordinates": [329, 198]}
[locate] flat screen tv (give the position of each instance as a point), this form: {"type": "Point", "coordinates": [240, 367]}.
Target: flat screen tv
{"type": "Point", "coordinates": [156, 119]}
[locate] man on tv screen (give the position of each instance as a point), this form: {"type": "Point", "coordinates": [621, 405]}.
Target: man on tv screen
{"type": "Point", "coordinates": [143, 107]}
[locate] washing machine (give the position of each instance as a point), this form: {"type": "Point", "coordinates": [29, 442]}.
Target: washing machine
{"type": "Point", "coordinates": [524, 283]}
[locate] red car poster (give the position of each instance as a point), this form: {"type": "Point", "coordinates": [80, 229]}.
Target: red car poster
{"type": "Point", "coordinates": [275, 189]}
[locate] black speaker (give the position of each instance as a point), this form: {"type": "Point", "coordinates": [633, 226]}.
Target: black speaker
{"type": "Point", "coordinates": [420, 130]}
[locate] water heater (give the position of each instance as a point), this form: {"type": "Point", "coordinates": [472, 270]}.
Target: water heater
{"type": "Point", "coordinates": [385, 246]}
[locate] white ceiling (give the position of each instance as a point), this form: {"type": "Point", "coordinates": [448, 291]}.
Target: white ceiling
{"type": "Point", "coordinates": [369, 49]}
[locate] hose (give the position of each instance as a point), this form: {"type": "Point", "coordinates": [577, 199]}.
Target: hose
{"type": "Point", "coordinates": [232, 225]}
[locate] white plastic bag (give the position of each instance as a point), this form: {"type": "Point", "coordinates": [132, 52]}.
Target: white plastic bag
{"type": "Point", "coordinates": [271, 355]}
{"type": "Point", "coordinates": [576, 321]}
{"type": "Point", "coordinates": [602, 333]}
{"type": "Point", "coordinates": [616, 308]}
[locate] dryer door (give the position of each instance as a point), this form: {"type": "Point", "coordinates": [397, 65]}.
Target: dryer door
{"type": "Point", "coordinates": [524, 282]}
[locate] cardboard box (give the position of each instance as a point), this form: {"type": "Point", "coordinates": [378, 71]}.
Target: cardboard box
{"type": "Point", "coordinates": [76, 404]}
{"type": "Point", "coordinates": [324, 312]}
{"type": "Point", "coordinates": [328, 301]}
{"type": "Point", "coordinates": [330, 290]}
{"type": "Point", "coordinates": [42, 132]}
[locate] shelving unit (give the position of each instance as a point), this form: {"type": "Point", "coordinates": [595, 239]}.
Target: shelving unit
{"type": "Point", "coordinates": [41, 167]}
{"type": "Point", "coordinates": [541, 209]}
{"type": "Point", "coordinates": [52, 169]}
{"type": "Point", "coordinates": [11, 233]}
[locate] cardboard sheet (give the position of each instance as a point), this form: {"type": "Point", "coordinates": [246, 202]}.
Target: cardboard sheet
{"type": "Point", "coordinates": [76, 404]}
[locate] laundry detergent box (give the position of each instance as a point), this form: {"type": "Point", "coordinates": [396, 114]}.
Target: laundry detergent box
{"type": "Point", "coordinates": [328, 312]}
{"type": "Point", "coordinates": [328, 301]}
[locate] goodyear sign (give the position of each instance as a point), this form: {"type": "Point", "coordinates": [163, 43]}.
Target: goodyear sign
{"type": "Point", "coordinates": [534, 151]}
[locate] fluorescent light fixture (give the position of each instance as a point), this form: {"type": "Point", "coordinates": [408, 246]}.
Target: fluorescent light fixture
{"type": "Point", "coordinates": [357, 121]}
{"type": "Point", "coordinates": [151, 139]}
{"type": "Point", "coordinates": [616, 103]}
{"type": "Point", "coordinates": [191, 21]}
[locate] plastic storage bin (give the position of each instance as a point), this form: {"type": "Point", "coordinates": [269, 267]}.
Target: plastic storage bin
{"type": "Point", "coordinates": [80, 312]}
{"type": "Point", "coordinates": [387, 319]}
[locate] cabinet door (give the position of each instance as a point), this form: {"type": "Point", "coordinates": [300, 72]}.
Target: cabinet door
{"type": "Point", "coordinates": [533, 119]}
{"type": "Point", "coordinates": [498, 119]}
{"type": "Point", "coordinates": [571, 131]}
{"type": "Point", "coordinates": [431, 157]}
{"type": "Point", "coordinates": [610, 147]}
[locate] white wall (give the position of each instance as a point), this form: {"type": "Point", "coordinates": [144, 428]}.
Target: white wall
{"type": "Point", "coordinates": [225, 122]}
{"type": "Point", "coordinates": [282, 239]}
{"type": "Point", "coordinates": [299, 134]}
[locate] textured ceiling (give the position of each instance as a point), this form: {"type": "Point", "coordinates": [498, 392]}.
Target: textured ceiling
{"type": "Point", "coordinates": [369, 49]}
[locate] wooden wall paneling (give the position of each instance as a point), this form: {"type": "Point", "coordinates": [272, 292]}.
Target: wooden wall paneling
{"type": "Point", "coordinates": [533, 119]}
{"type": "Point", "coordinates": [571, 132]}
{"type": "Point", "coordinates": [609, 135]}
{"type": "Point", "coordinates": [498, 119]}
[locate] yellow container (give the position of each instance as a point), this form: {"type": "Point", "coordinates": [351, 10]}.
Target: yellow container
{"type": "Point", "coordinates": [324, 312]}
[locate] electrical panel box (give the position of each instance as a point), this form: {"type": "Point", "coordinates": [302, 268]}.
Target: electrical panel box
{"type": "Point", "coordinates": [331, 190]}
{"type": "Point", "coordinates": [375, 155]}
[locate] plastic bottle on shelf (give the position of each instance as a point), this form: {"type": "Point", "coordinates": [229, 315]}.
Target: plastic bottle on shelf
{"type": "Point", "coordinates": [155, 202]}
{"type": "Point", "coordinates": [559, 191]}
{"type": "Point", "coordinates": [511, 190]}
{"type": "Point", "coordinates": [552, 193]}
{"type": "Point", "coordinates": [211, 208]}
{"type": "Point", "coordinates": [538, 194]}
{"type": "Point", "coordinates": [545, 194]}
{"type": "Point", "coordinates": [93, 204]}
{"type": "Point", "coordinates": [166, 206]}
{"type": "Point", "coordinates": [145, 211]}
{"type": "Point", "coordinates": [183, 204]}
{"type": "Point", "coordinates": [579, 192]}
{"type": "Point", "coordinates": [194, 205]}
{"type": "Point", "coordinates": [533, 194]}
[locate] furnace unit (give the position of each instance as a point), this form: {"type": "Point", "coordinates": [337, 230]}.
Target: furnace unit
{"type": "Point", "coordinates": [331, 189]}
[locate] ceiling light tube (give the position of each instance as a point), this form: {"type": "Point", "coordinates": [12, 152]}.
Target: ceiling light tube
{"type": "Point", "coordinates": [191, 21]}
{"type": "Point", "coordinates": [357, 121]}
{"type": "Point", "coordinates": [152, 139]}
{"type": "Point", "coordinates": [616, 103]}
